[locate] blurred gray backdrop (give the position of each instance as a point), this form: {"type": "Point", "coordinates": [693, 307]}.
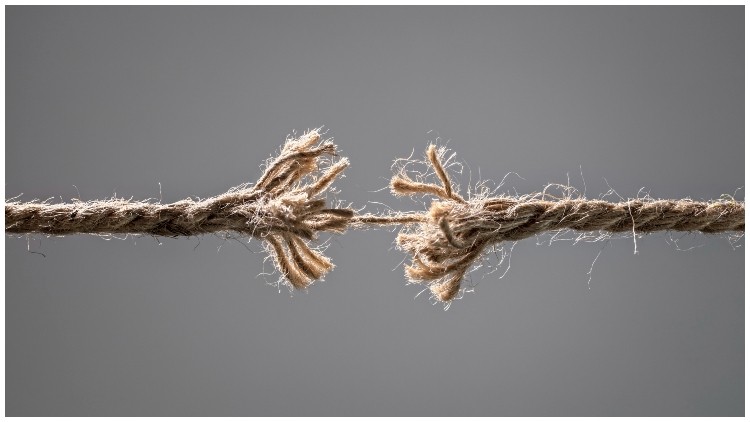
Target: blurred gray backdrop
{"type": "Point", "coordinates": [104, 100]}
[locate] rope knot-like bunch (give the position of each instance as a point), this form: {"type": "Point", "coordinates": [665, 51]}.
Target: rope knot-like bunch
{"type": "Point", "coordinates": [292, 210]}
{"type": "Point", "coordinates": [446, 244]}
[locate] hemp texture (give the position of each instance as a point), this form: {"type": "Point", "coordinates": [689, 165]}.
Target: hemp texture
{"type": "Point", "coordinates": [456, 232]}
{"type": "Point", "coordinates": [286, 208]}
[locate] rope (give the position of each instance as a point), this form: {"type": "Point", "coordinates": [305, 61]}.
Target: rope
{"type": "Point", "coordinates": [286, 209]}
{"type": "Point", "coordinates": [456, 232]}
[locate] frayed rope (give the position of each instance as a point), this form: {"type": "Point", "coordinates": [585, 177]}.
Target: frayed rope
{"type": "Point", "coordinates": [456, 232]}
{"type": "Point", "coordinates": [287, 210]}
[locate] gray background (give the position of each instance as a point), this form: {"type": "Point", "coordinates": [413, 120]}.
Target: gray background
{"type": "Point", "coordinates": [120, 99]}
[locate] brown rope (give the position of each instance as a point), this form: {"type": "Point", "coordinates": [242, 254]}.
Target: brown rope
{"type": "Point", "coordinates": [455, 232]}
{"type": "Point", "coordinates": [286, 208]}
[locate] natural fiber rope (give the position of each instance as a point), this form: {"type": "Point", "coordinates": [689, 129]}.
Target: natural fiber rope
{"type": "Point", "coordinates": [286, 209]}
{"type": "Point", "coordinates": [456, 232]}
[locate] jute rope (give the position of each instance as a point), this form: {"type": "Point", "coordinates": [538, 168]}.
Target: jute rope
{"type": "Point", "coordinates": [287, 210]}
{"type": "Point", "coordinates": [455, 232]}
